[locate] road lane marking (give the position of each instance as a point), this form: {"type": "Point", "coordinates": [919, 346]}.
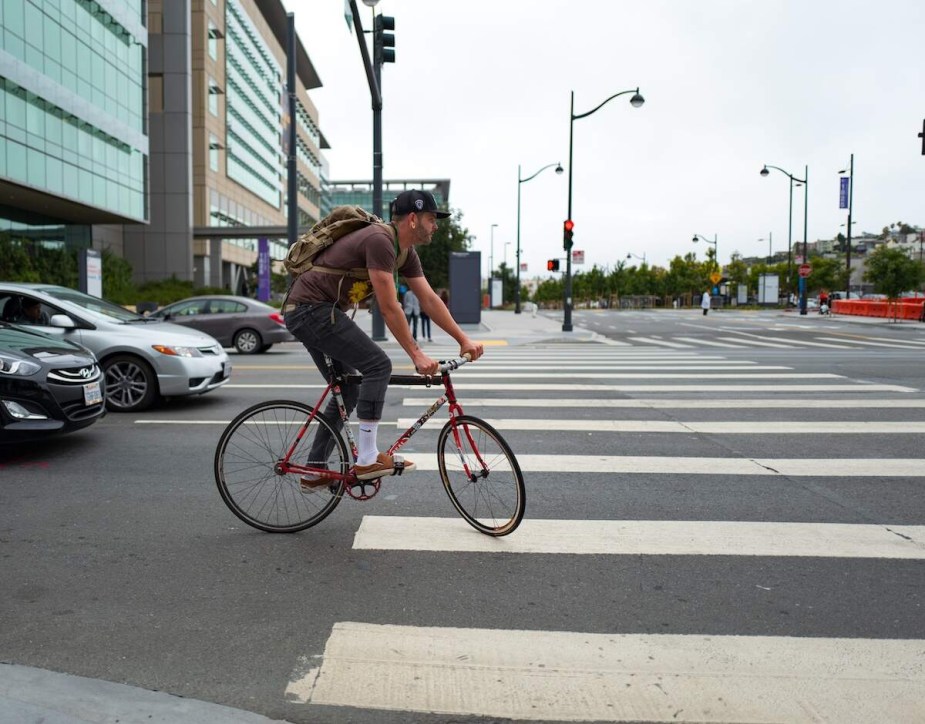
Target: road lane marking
{"type": "Point", "coordinates": [664, 404]}
{"type": "Point", "coordinates": [578, 374]}
{"type": "Point", "coordinates": [577, 676]}
{"type": "Point", "coordinates": [732, 427]}
{"type": "Point", "coordinates": [566, 387]}
{"type": "Point", "coordinates": [757, 343]}
{"type": "Point", "coordinates": [659, 342]}
{"type": "Point", "coordinates": [869, 343]}
{"type": "Point", "coordinates": [710, 343]}
{"type": "Point", "coordinates": [647, 538]}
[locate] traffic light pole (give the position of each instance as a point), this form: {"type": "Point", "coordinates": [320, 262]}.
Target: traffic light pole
{"type": "Point", "coordinates": [567, 287]}
{"type": "Point", "coordinates": [373, 77]}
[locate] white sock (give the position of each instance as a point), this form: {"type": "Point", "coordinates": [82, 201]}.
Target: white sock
{"type": "Point", "coordinates": [367, 451]}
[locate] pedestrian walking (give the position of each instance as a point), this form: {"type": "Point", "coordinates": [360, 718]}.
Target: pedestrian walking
{"type": "Point", "coordinates": [705, 302]}
{"type": "Point", "coordinates": [425, 327]}
{"type": "Point", "coordinates": [412, 311]}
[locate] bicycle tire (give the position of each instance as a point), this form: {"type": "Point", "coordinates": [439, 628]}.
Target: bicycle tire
{"type": "Point", "coordinates": [495, 501]}
{"type": "Point", "coordinates": [246, 467]}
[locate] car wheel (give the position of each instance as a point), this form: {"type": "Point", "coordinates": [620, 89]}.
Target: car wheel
{"type": "Point", "coordinates": [131, 385]}
{"type": "Point", "coordinates": [247, 341]}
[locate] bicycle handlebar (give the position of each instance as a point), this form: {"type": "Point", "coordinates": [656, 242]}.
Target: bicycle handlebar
{"type": "Point", "coordinates": [454, 364]}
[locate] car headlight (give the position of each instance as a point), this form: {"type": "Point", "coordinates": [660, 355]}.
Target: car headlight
{"type": "Point", "coordinates": [18, 367]}
{"type": "Point", "coordinates": [174, 351]}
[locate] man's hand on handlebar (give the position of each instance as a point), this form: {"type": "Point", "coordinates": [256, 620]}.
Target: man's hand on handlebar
{"type": "Point", "coordinates": [471, 349]}
{"type": "Point", "coordinates": [424, 365]}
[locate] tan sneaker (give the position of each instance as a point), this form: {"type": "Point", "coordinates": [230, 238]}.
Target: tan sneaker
{"type": "Point", "coordinates": [384, 465]}
{"type": "Point", "coordinates": [311, 483]}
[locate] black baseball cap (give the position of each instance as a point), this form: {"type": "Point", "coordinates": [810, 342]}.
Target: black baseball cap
{"type": "Point", "coordinates": [415, 201]}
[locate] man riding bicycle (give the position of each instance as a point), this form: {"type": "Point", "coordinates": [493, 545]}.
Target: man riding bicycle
{"type": "Point", "coordinates": [316, 316]}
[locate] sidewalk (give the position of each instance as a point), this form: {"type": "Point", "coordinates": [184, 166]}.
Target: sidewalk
{"type": "Point", "coordinates": [500, 327]}
{"type": "Point", "coordinates": [30, 695]}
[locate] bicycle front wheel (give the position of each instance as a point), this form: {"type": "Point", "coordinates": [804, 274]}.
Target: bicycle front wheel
{"type": "Point", "coordinates": [481, 475]}
{"type": "Point", "coordinates": [249, 475]}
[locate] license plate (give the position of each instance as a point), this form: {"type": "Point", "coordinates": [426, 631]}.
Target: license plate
{"type": "Point", "coordinates": [226, 369]}
{"type": "Point", "coordinates": [93, 395]}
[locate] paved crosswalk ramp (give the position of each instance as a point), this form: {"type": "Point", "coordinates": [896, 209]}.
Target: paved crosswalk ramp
{"type": "Point", "coordinates": [765, 495]}
{"type": "Point", "coordinates": [569, 676]}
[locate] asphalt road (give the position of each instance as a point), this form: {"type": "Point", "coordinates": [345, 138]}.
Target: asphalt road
{"type": "Point", "coordinates": [120, 561]}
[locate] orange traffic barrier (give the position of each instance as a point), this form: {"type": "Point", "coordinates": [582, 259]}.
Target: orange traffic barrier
{"type": "Point", "coordinates": [913, 309]}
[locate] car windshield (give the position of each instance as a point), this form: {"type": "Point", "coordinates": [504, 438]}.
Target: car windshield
{"type": "Point", "coordinates": [93, 304]}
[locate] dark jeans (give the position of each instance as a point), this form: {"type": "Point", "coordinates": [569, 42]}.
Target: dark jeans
{"type": "Point", "coordinates": [425, 326]}
{"type": "Point", "coordinates": [413, 323]}
{"type": "Point", "coordinates": [352, 351]}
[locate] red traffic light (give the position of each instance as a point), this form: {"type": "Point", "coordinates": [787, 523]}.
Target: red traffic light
{"type": "Point", "coordinates": [569, 224]}
{"type": "Point", "coordinates": [552, 265]}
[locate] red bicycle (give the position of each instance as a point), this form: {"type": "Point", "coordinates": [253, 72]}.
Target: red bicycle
{"type": "Point", "coordinates": [266, 449]}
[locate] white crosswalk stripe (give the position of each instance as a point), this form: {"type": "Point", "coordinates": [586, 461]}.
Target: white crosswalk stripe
{"type": "Point", "coordinates": [568, 676]}
{"type": "Point", "coordinates": [648, 537]}
{"type": "Point", "coordinates": [539, 396]}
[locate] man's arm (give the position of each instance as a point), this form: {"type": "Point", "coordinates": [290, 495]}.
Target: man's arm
{"type": "Point", "coordinates": [394, 316]}
{"type": "Point", "coordinates": [434, 308]}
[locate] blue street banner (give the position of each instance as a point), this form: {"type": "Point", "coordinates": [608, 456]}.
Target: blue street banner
{"type": "Point", "coordinates": [843, 192]}
{"type": "Point", "coordinates": [263, 270]}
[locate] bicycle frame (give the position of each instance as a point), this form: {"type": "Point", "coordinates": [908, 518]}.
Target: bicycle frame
{"type": "Point", "coordinates": [334, 387]}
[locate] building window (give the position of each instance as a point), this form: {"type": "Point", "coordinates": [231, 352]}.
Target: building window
{"type": "Point", "coordinates": [214, 92]}
{"type": "Point", "coordinates": [214, 35]}
{"type": "Point", "coordinates": [214, 148]}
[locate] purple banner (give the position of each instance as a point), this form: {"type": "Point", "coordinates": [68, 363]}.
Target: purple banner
{"type": "Point", "coordinates": [263, 270]}
{"type": "Point", "coordinates": [843, 192]}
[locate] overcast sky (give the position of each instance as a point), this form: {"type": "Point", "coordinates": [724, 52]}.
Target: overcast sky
{"type": "Point", "coordinates": [482, 86]}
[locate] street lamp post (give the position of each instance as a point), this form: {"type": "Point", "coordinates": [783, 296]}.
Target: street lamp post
{"type": "Point", "coordinates": [634, 256]}
{"type": "Point", "coordinates": [794, 180]}
{"type": "Point", "coordinates": [519, 182]}
{"type": "Point", "coordinates": [715, 242]}
{"type": "Point", "coordinates": [636, 101]}
{"type": "Point", "coordinates": [850, 172]}
{"type": "Point", "coordinates": [770, 238]}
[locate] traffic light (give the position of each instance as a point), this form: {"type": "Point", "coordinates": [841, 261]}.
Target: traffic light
{"type": "Point", "coordinates": [568, 226]}
{"type": "Point", "coordinates": [383, 42]}
{"type": "Point", "coordinates": [552, 265]}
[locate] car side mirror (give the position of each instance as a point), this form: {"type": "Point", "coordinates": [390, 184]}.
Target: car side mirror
{"type": "Point", "coordinates": [61, 320]}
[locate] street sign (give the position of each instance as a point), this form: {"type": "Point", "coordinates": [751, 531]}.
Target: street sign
{"type": "Point", "coordinates": [523, 266]}
{"type": "Point", "coordinates": [578, 256]}
{"type": "Point", "coordinates": [715, 277]}
{"type": "Point", "coordinates": [805, 270]}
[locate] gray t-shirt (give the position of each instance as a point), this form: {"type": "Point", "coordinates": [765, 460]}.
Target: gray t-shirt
{"type": "Point", "coordinates": [370, 248]}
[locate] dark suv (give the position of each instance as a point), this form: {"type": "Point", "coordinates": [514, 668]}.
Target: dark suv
{"type": "Point", "coordinates": [47, 385]}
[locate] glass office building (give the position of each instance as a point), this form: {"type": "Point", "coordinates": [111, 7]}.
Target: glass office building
{"type": "Point", "coordinates": [360, 193]}
{"type": "Point", "coordinates": [73, 118]}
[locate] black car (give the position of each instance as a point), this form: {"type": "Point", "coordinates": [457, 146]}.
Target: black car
{"type": "Point", "coordinates": [47, 385]}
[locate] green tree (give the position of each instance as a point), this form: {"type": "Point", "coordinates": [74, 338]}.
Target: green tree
{"type": "Point", "coordinates": [450, 236]}
{"type": "Point", "coordinates": [892, 272]}
{"type": "Point", "coordinates": [737, 271]}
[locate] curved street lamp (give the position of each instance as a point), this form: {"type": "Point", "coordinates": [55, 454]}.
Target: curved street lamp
{"type": "Point", "coordinates": [520, 181]}
{"type": "Point", "coordinates": [715, 242]}
{"type": "Point", "coordinates": [794, 180]}
{"type": "Point", "coordinates": [634, 256]}
{"type": "Point", "coordinates": [636, 101]}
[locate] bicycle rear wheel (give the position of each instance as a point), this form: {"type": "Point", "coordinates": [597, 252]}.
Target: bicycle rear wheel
{"type": "Point", "coordinates": [247, 468]}
{"type": "Point", "coordinates": [490, 497]}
